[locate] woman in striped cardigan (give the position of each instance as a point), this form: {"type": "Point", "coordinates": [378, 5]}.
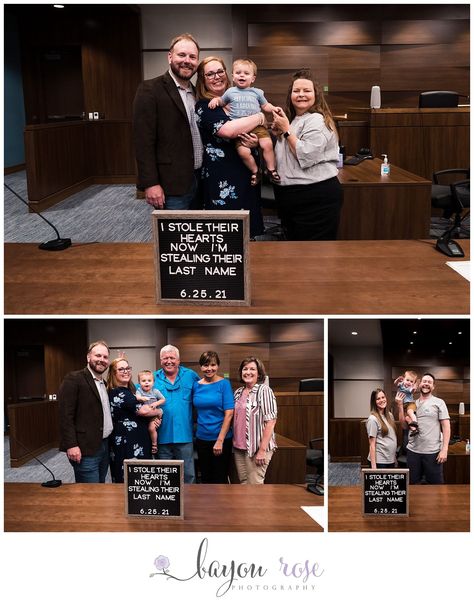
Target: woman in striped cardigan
{"type": "Point", "coordinates": [255, 415]}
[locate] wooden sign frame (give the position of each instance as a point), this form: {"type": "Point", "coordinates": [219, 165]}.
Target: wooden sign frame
{"type": "Point", "coordinates": [198, 292]}
{"type": "Point", "coordinates": [152, 467]}
{"type": "Point", "coordinates": [382, 513]}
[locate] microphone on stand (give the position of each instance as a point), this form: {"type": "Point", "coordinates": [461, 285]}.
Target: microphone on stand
{"type": "Point", "coordinates": [57, 244]}
{"type": "Point", "coordinates": [53, 483]}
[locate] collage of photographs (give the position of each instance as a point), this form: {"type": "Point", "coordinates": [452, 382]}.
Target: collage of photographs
{"type": "Point", "coordinates": [236, 299]}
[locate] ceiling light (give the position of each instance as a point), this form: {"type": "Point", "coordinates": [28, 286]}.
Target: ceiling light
{"type": "Point", "coordinates": [58, 5]}
{"type": "Point", "coordinates": [354, 333]}
{"type": "Point", "coordinates": [415, 332]}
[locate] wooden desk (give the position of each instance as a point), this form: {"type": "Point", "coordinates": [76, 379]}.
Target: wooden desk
{"type": "Point", "coordinates": [432, 508]}
{"type": "Point", "coordinates": [101, 507]}
{"type": "Point", "coordinates": [392, 207]}
{"type": "Point", "coordinates": [288, 464]}
{"type": "Point", "coordinates": [422, 140]}
{"type": "Point", "coordinates": [345, 277]}
{"type": "Point", "coordinates": [457, 468]}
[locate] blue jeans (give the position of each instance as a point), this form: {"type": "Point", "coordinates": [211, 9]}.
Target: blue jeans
{"type": "Point", "coordinates": [93, 469]}
{"type": "Point", "coordinates": [180, 452]}
{"type": "Point", "coordinates": [183, 202]}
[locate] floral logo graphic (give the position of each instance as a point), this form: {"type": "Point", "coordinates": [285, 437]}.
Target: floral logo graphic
{"type": "Point", "coordinates": [230, 576]}
{"type": "Point", "coordinates": [162, 563]}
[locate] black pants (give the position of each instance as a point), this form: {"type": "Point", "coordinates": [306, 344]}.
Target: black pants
{"type": "Point", "coordinates": [310, 212]}
{"type": "Point", "coordinates": [424, 464]}
{"type": "Point", "coordinates": [214, 469]}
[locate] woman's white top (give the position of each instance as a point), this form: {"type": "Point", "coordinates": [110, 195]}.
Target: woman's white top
{"type": "Point", "coordinates": [317, 152]}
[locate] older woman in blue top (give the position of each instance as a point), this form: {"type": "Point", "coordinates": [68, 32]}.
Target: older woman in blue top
{"type": "Point", "coordinates": [214, 403]}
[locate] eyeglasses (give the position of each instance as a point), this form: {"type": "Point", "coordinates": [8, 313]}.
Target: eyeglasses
{"type": "Point", "coordinates": [214, 74]}
{"type": "Point", "coordinates": [124, 369]}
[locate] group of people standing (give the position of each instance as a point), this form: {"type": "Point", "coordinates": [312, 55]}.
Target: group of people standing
{"type": "Point", "coordinates": [197, 147]}
{"type": "Point", "coordinates": [427, 443]}
{"type": "Point", "coordinates": [103, 422]}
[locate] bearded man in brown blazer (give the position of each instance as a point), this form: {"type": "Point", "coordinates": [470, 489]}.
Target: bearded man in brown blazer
{"type": "Point", "coordinates": [168, 146]}
{"type": "Point", "coordinates": [85, 421]}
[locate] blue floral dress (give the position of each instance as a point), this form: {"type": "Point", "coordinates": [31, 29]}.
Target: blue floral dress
{"type": "Point", "coordinates": [130, 437]}
{"type": "Point", "coordinates": [225, 178]}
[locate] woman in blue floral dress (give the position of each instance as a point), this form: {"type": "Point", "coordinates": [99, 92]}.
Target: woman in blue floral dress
{"type": "Point", "coordinates": [130, 437]}
{"type": "Point", "coordinates": [226, 181]}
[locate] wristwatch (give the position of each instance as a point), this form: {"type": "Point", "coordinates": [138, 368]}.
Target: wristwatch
{"type": "Point", "coordinates": [287, 134]}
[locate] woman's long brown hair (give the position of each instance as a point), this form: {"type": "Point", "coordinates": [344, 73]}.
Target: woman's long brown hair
{"type": "Point", "coordinates": [386, 413]}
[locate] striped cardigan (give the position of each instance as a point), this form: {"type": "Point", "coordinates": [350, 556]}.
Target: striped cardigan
{"type": "Point", "coordinates": [261, 407]}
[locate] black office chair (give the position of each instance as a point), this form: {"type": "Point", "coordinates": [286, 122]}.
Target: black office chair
{"type": "Point", "coordinates": [453, 198]}
{"type": "Point", "coordinates": [272, 223]}
{"type": "Point", "coordinates": [315, 461]}
{"type": "Point", "coordinates": [438, 99]}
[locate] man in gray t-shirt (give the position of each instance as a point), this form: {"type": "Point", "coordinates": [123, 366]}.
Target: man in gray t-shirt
{"type": "Point", "coordinates": [428, 450]}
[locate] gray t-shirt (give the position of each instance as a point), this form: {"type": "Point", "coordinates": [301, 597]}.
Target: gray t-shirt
{"type": "Point", "coordinates": [385, 447]}
{"type": "Point", "coordinates": [243, 102]}
{"type": "Point", "coordinates": [317, 152]}
{"type": "Point", "coordinates": [429, 413]}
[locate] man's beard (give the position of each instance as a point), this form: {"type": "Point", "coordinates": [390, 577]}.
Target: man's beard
{"type": "Point", "coordinates": [94, 364]}
{"type": "Point", "coordinates": [185, 76]}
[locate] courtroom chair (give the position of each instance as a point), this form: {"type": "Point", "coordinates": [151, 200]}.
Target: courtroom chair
{"type": "Point", "coordinates": [438, 99]}
{"type": "Point", "coordinates": [272, 222]}
{"type": "Point", "coordinates": [315, 461]}
{"type": "Point", "coordinates": [453, 197]}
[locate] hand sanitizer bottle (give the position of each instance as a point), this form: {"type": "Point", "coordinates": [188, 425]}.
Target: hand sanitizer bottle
{"type": "Point", "coordinates": [385, 166]}
{"type": "Point", "coordinates": [340, 160]}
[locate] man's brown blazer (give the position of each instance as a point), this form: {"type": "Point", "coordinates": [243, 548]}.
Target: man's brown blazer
{"type": "Point", "coordinates": [162, 137]}
{"type": "Point", "coordinates": [81, 416]}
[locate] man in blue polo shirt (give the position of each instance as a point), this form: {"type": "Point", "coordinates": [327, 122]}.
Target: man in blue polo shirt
{"type": "Point", "coordinates": [175, 382]}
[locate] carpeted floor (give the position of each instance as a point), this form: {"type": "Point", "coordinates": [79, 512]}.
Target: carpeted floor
{"type": "Point", "coordinates": [111, 213]}
{"type": "Point", "coordinates": [33, 472]}
{"type": "Point", "coordinates": [100, 213]}
{"type": "Point", "coordinates": [342, 473]}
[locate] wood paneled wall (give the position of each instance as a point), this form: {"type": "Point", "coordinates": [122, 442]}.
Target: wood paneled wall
{"type": "Point", "coordinates": [452, 384]}
{"type": "Point", "coordinates": [109, 41]}
{"type": "Point", "coordinates": [64, 344]}
{"type": "Point", "coordinates": [290, 351]}
{"type": "Point", "coordinates": [404, 49]}
{"type": "Point", "coordinates": [344, 440]}
{"type": "Point", "coordinates": [300, 416]}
